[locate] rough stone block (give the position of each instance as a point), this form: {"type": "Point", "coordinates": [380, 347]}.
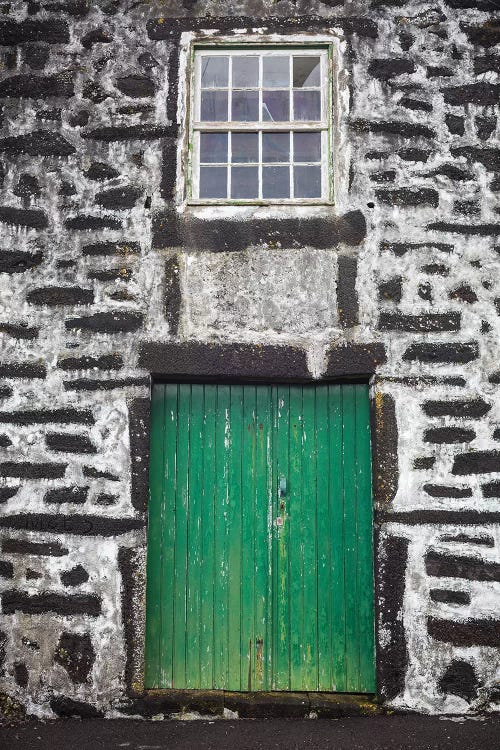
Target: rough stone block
{"type": "Point", "coordinates": [38, 143]}
{"type": "Point", "coordinates": [50, 30]}
{"type": "Point", "coordinates": [34, 218]}
{"type": "Point", "coordinates": [74, 495]}
{"type": "Point", "coordinates": [441, 353]}
{"type": "Point", "coordinates": [25, 370]}
{"type": "Point", "coordinates": [74, 577]}
{"type": "Point", "coordinates": [66, 415]}
{"type": "Point", "coordinates": [65, 442]}
{"type": "Point", "coordinates": [409, 196]}
{"type": "Point", "coordinates": [76, 654]}
{"type": "Point", "coordinates": [37, 87]}
{"type": "Point", "coordinates": [42, 549]}
{"type": "Point", "coordinates": [448, 435]}
{"type": "Point", "coordinates": [387, 68]}
{"type": "Point", "coordinates": [87, 221]}
{"type": "Point", "coordinates": [479, 462]}
{"type": "Point", "coordinates": [26, 470]}
{"type": "Point", "coordinates": [107, 322]}
{"type": "Point", "coordinates": [119, 198]}
{"type": "Point", "coordinates": [60, 295]}
{"type": "Point", "coordinates": [136, 86]}
{"type": "Point", "coordinates": [419, 323]}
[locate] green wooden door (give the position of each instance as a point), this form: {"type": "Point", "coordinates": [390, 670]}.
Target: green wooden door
{"type": "Point", "coordinates": [260, 539]}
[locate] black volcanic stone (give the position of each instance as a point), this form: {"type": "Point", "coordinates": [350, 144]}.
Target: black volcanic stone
{"type": "Point", "coordinates": [67, 708]}
{"type": "Point", "coordinates": [64, 442]}
{"type": "Point", "coordinates": [448, 596]}
{"type": "Point", "coordinates": [66, 415]}
{"type": "Point", "coordinates": [452, 353]}
{"type": "Point", "coordinates": [466, 409]}
{"type": "Point", "coordinates": [74, 577]}
{"type": "Point", "coordinates": [98, 170]}
{"type": "Point", "coordinates": [85, 221]}
{"type": "Point", "coordinates": [489, 157]}
{"type": "Point", "coordinates": [61, 604]}
{"type": "Point", "coordinates": [27, 187]}
{"type": "Point", "coordinates": [104, 362]}
{"type": "Point", "coordinates": [107, 322]}
{"type": "Point", "coordinates": [477, 462]}
{"type": "Point", "coordinates": [33, 218]}
{"type": "Point", "coordinates": [26, 470]}
{"type": "Point", "coordinates": [486, 94]}
{"type": "Point", "coordinates": [136, 86]}
{"type": "Point", "coordinates": [38, 143]}
{"type": "Point", "coordinates": [455, 124]}
{"type": "Point", "coordinates": [471, 632]}
{"type": "Point", "coordinates": [119, 198]}
{"type": "Point", "coordinates": [23, 370]}
{"type": "Point", "coordinates": [485, 35]}
{"type": "Point", "coordinates": [36, 55]}
{"type": "Point", "coordinates": [19, 331]}
{"type": "Point", "coordinates": [52, 31]}
{"type": "Point", "coordinates": [43, 549]}
{"type": "Point", "coordinates": [60, 295]}
{"type": "Point", "coordinates": [112, 248]}
{"type": "Point", "coordinates": [454, 566]}
{"type": "Point", "coordinates": [405, 129]}
{"type": "Point", "coordinates": [21, 674]}
{"type": "Point", "coordinates": [144, 132]}
{"type": "Point", "coordinates": [443, 435]}
{"type": "Point", "coordinates": [75, 495]}
{"type": "Point", "coordinates": [439, 490]}
{"type": "Point", "coordinates": [409, 196]}
{"type": "Point", "coordinates": [76, 654]}
{"type": "Point", "coordinates": [419, 323]}
{"type": "Point", "coordinates": [387, 68]}
{"type": "Point", "coordinates": [37, 87]}
{"type": "Point", "coordinates": [6, 569]}
{"type": "Point", "coordinates": [90, 471]}
{"type": "Point", "coordinates": [95, 36]}
{"type": "Point", "coordinates": [459, 678]}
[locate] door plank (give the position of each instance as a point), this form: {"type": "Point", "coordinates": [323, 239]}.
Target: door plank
{"type": "Point", "coordinates": [207, 569]}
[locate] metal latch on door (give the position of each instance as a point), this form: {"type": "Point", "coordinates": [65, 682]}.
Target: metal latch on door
{"type": "Point", "coordinates": [281, 494]}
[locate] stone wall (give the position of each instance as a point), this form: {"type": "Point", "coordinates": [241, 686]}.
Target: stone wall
{"type": "Point", "coordinates": [103, 284]}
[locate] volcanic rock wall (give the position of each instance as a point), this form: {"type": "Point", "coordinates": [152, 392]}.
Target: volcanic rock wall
{"type": "Point", "coordinates": [103, 284]}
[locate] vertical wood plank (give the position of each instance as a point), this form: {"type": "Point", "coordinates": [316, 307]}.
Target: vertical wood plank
{"type": "Point", "coordinates": [365, 548]}
{"type": "Point", "coordinates": [220, 539]}
{"type": "Point", "coordinates": [323, 525]}
{"type": "Point", "coordinates": [153, 590]}
{"type": "Point", "coordinates": [296, 540]}
{"type": "Point", "coordinates": [336, 517]}
{"type": "Point", "coordinates": [310, 539]}
{"type": "Point", "coordinates": [207, 572]}
{"type": "Point", "coordinates": [193, 598]}
{"type": "Point", "coordinates": [351, 541]}
{"type": "Point", "coordinates": [262, 528]}
{"type": "Point", "coordinates": [168, 534]}
{"type": "Point", "coordinates": [281, 613]}
{"type": "Point", "coordinates": [251, 546]}
{"type": "Point", "coordinates": [234, 446]}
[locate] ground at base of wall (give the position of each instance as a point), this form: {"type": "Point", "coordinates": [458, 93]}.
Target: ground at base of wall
{"type": "Point", "coordinates": [357, 733]}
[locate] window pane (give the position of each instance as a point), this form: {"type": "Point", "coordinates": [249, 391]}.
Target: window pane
{"type": "Point", "coordinates": [307, 105]}
{"type": "Point", "coordinates": [307, 147]}
{"type": "Point", "coordinates": [213, 182]}
{"type": "Point", "coordinates": [244, 182]}
{"type": "Point", "coordinates": [213, 147]}
{"type": "Point", "coordinates": [306, 71]}
{"type": "Point", "coordinates": [244, 147]}
{"type": "Point", "coordinates": [275, 106]}
{"type": "Point", "coordinates": [245, 106]}
{"type": "Point", "coordinates": [214, 71]}
{"type": "Point", "coordinates": [275, 71]}
{"type": "Point", "coordinates": [275, 182]}
{"type": "Point", "coordinates": [245, 72]}
{"type": "Point", "coordinates": [213, 106]}
{"type": "Point", "coordinates": [307, 182]}
{"type": "Point", "coordinates": [275, 147]}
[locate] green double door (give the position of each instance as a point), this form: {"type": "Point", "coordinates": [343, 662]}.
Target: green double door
{"type": "Point", "coordinates": [260, 573]}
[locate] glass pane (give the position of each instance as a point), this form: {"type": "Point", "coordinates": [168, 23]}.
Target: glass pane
{"type": "Point", "coordinates": [244, 147]}
{"type": "Point", "coordinates": [307, 105]}
{"type": "Point", "coordinates": [214, 71]}
{"type": "Point", "coordinates": [307, 146]}
{"type": "Point", "coordinates": [275, 147]}
{"type": "Point", "coordinates": [213, 106]}
{"type": "Point", "coordinates": [307, 182]}
{"type": "Point", "coordinates": [245, 106]}
{"type": "Point", "coordinates": [213, 147]}
{"type": "Point", "coordinates": [245, 72]}
{"type": "Point", "coordinates": [275, 182]}
{"type": "Point", "coordinates": [213, 182]}
{"type": "Point", "coordinates": [276, 106]}
{"type": "Point", "coordinates": [275, 71]}
{"type": "Point", "coordinates": [244, 182]}
{"type": "Point", "coordinates": [306, 72]}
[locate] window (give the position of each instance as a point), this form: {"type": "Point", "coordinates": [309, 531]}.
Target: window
{"type": "Point", "coordinates": [261, 125]}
